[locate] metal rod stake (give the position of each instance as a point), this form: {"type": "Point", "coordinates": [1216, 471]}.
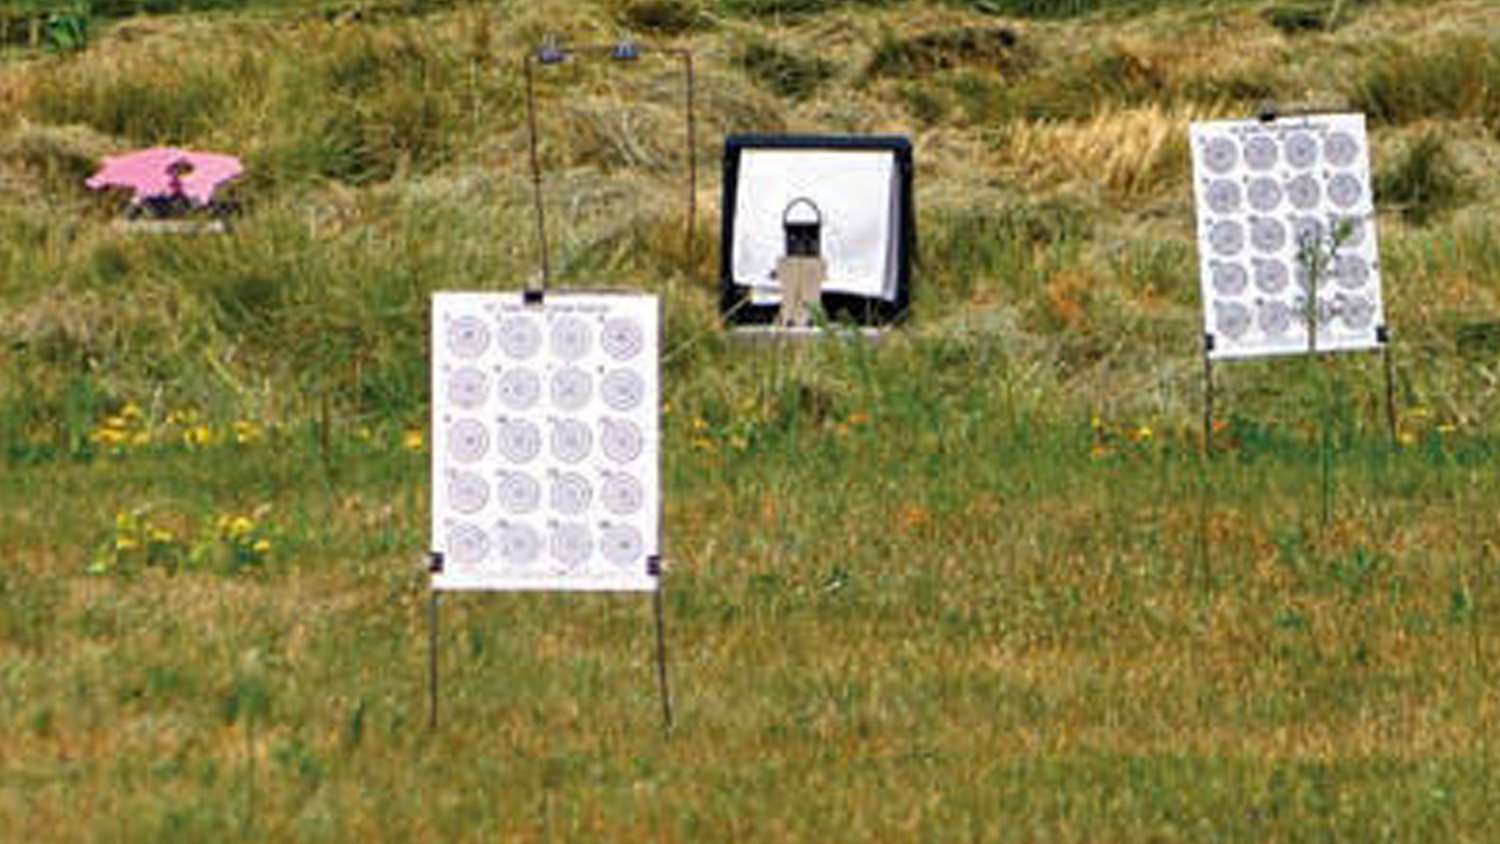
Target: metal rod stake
{"type": "Point", "coordinates": [432, 662]}
{"type": "Point", "coordinates": [1390, 391]}
{"type": "Point", "coordinates": [692, 156]}
{"type": "Point", "coordinates": [661, 658]}
{"type": "Point", "coordinates": [536, 175]}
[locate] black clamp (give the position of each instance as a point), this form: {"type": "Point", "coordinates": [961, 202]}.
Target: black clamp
{"type": "Point", "coordinates": [1382, 334]}
{"type": "Point", "coordinates": [533, 297]}
{"type": "Point", "coordinates": [1208, 342]}
{"type": "Point", "coordinates": [653, 565]}
{"type": "Point", "coordinates": [435, 562]}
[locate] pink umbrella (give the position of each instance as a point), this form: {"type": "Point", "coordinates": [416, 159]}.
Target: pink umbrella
{"type": "Point", "coordinates": [165, 172]}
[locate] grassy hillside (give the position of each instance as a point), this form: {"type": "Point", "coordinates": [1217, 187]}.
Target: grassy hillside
{"type": "Point", "coordinates": [976, 583]}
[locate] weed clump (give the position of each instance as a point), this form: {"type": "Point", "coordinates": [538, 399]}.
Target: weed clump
{"type": "Point", "coordinates": [785, 72]}
{"type": "Point", "coordinates": [997, 48]}
{"type": "Point", "coordinates": [1424, 183]}
{"type": "Point", "coordinates": [1459, 79]}
{"type": "Point", "coordinates": [664, 17]}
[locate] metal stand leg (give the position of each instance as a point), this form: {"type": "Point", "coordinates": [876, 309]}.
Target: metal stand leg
{"type": "Point", "coordinates": [432, 662]}
{"type": "Point", "coordinates": [1390, 392]}
{"type": "Point", "coordinates": [1208, 403]}
{"type": "Point", "coordinates": [1204, 489]}
{"type": "Point", "coordinates": [661, 659]}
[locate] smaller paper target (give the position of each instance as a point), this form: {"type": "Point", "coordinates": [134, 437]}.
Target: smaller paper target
{"type": "Point", "coordinates": [467, 337]}
{"type": "Point", "coordinates": [519, 493]}
{"type": "Point", "coordinates": [1232, 319]}
{"type": "Point", "coordinates": [467, 545]}
{"type": "Point", "coordinates": [1301, 150]}
{"type": "Point", "coordinates": [1358, 312]}
{"type": "Point", "coordinates": [571, 338]}
{"type": "Point", "coordinates": [1267, 234]}
{"type": "Point", "coordinates": [1223, 196]}
{"type": "Point", "coordinates": [622, 338]}
{"type": "Point", "coordinates": [620, 544]}
{"type": "Point", "coordinates": [519, 388]}
{"type": "Point", "coordinates": [468, 388]}
{"type": "Point", "coordinates": [520, 441]}
{"type": "Point", "coordinates": [1227, 237]}
{"type": "Point", "coordinates": [1265, 194]}
{"type": "Point", "coordinates": [621, 440]}
{"type": "Point", "coordinates": [1304, 193]}
{"type": "Point", "coordinates": [1351, 271]}
{"type": "Point", "coordinates": [571, 493]}
{"type": "Point", "coordinates": [468, 441]}
{"type": "Point", "coordinates": [622, 389]}
{"type": "Point", "coordinates": [1274, 317]}
{"type": "Point", "coordinates": [1229, 279]}
{"type": "Point", "coordinates": [1340, 148]}
{"type": "Point", "coordinates": [1260, 153]}
{"type": "Point", "coordinates": [520, 544]}
{"type": "Point", "coordinates": [1271, 275]}
{"type": "Point", "coordinates": [571, 440]}
{"type": "Point", "coordinates": [467, 492]}
{"type": "Point", "coordinates": [520, 337]}
{"type": "Point", "coordinates": [1307, 232]}
{"type": "Point", "coordinates": [1221, 155]}
{"type": "Point", "coordinates": [1345, 190]}
{"type": "Point", "coordinates": [622, 494]}
{"type": "Point", "coordinates": [570, 544]}
{"type": "Point", "coordinates": [571, 388]}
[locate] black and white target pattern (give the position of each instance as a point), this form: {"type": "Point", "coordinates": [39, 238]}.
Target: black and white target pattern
{"type": "Point", "coordinates": [1284, 207]}
{"type": "Point", "coordinates": [546, 439]}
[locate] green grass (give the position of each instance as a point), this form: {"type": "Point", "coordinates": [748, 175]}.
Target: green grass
{"type": "Point", "coordinates": [977, 582]}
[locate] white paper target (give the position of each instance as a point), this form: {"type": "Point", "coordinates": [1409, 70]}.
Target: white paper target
{"type": "Point", "coordinates": [1271, 199]}
{"type": "Point", "coordinates": [858, 197]}
{"type": "Point", "coordinates": [545, 441]}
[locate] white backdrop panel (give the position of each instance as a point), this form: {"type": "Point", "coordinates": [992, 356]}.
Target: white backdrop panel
{"type": "Point", "coordinates": [856, 191]}
{"type": "Point", "coordinates": [545, 441]}
{"type": "Point", "coordinates": [1261, 190]}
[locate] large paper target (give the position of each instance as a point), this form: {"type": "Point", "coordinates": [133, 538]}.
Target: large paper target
{"type": "Point", "coordinates": [545, 441]}
{"type": "Point", "coordinates": [1281, 205]}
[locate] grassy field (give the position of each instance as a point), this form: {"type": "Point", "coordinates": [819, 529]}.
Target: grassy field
{"type": "Point", "coordinates": [978, 583]}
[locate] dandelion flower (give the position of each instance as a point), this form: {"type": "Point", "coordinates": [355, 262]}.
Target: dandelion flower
{"type": "Point", "coordinates": [261, 546]}
{"type": "Point", "coordinates": [240, 526]}
{"type": "Point", "coordinates": [161, 536]}
{"type": "Point", "coordinates": [126, 543]}
{"type": "Point", "coordinates": [412, 440]}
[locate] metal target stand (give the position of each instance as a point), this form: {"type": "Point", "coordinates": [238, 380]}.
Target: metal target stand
{"type": "Point", "coordinates": [535, 294]}
{"type": "Point", "coordinates": [1269, 114]}
{"type": "Point", "coordinates": [622, 52]}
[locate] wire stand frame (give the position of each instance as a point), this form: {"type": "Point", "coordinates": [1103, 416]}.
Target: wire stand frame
{"type": "Point", "coordinates": [624, 51]}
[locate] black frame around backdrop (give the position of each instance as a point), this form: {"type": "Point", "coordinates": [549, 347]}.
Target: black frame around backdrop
{"type": "Point", "coordinates": [734, 303]}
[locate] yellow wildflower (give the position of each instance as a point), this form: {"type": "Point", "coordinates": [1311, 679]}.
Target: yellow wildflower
{"type": "Point", "coordinates": [261, 546]}
{"type": "Point", "coordinates": [1406, 438]}
{"type": "Point", "coordinates": [240, 526]}
{"type": "Point", "coordinates": [126, 543]}
{"type": "Point", "coordinates": [140, 438]}
{"type": "Point", "coordinates": [412, 440]}
{"type": "Point", "coordinates": [122, 520]}
{"type": "Point", "coordinates": [246, 432]}
{"type": "Point", "coordinates": [161, 536]}
{"type": "Point", "coordinates": [131, 410]}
